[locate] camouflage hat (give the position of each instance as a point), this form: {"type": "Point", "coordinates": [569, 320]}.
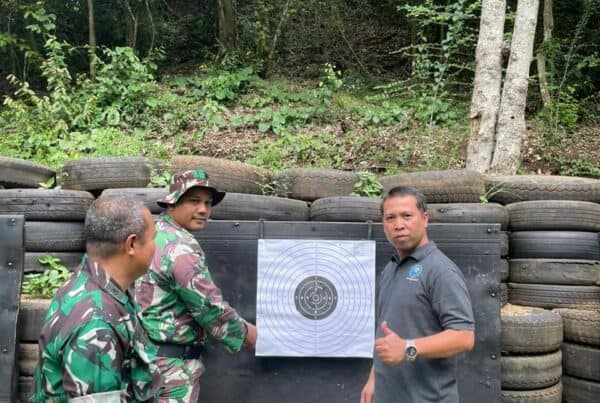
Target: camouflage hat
{"type": "Point", "coordinates": [181, 182]}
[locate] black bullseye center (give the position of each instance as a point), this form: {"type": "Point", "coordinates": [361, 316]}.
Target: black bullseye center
{"type": "Point", "coordinates": [315, 297]}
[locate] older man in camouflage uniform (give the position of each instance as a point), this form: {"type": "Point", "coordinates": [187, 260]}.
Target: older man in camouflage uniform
{"type": "Point", "coordinates": [181, 305]}
{"type": "Point", "coordinates": [92, 343]}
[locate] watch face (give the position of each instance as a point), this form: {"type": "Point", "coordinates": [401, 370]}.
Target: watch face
{"type": "Point", "coordinates": [411, 352]}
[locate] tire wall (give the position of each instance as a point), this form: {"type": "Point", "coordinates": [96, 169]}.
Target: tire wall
{"type": "Point", "coordinates": [525, 210]}
{"type": "Point", "coordinates": [554, 266]}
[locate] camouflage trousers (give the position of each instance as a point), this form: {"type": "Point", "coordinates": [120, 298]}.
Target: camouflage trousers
{"type": "Point", "coordinates": [181, 380]}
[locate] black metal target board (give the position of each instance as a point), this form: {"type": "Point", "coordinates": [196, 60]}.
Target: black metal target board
{"type": "Point", "coordinates": [315, 298]}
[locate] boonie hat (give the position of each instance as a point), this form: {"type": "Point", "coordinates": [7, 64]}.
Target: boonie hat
{"type": "Point", "coordinates": [181, 182]}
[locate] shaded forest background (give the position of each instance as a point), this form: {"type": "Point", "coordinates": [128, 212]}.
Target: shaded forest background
{"type": "Point", "coordinates": [382, 86]}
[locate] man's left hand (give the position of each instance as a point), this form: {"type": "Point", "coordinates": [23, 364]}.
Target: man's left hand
{"type": "Point", "coordinates": [390, 348]}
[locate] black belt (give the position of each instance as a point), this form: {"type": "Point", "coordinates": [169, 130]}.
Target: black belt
{"type": "Point", "coordinates": [185, 351]}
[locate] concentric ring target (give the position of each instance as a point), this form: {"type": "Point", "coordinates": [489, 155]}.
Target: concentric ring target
{"type": "Point", "coordinates": [315, 297]}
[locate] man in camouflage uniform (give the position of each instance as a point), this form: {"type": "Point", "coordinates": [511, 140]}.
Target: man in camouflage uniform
{"type": "Point", "coordinates": [181, 305]}
{"type": "Point", "coordinates": [92, 343]}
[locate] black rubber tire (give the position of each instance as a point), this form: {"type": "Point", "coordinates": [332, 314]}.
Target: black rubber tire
{"type": "Point", "coordinates": [530, 330]}
{"type": "Point", "coordinates": [468, 213]}
{"type": "Point", "coordinates": [315, 183]}
{"type": "Point", "coordinates": [346, 208]}
{"type": "Point", "coordinates": [554, 245]}
{"type": "Point", "coordinates": [240, 206]}
{"type": "Point", "coordinates": [581, 361]}
{"type": "Point", "coordinates": [148, 196]}
{"type": "Point", "coordinates": [27, 358]}
{"type": "Point", "coordinates": [31, 318]}
{"type": "Point", "coordinates": [553, 215]}
{"type": "Point", "coordinates": [554, 296]}
{"type": "Point", "coordinates": [68, 259]}
{"type": "Point", "coordinates": [19, 173]}
{"type": "Point", "coordinates": [577, 390]}
{"type": "Point", "coordinates": [504, 270]}
{"type": "Point", "coordinates": [506, 189]}
{"type": "Point", "coordinates": [25, 388]}
{"type": "Point", "coordinates": [46, 205]}
{"type": "Point", "coordinates": [581, 326]}
{"type": "Point", "coordinates": [97, 174]}
{"type": "Point", "coordinates": [504, 244]}
{"type": "Point", "coordinates": [503, 294]}
{"type": "Point", "coordinates": [553, 394]}
{"type": "Point", "coordinates": [450, 186]}
{"type": "Point", "coordinates": [527, 372]}
{"type": "Point", "coordinates": [555, 271]}
{"type": "Point", "coordinates": [226, 175]}
{"type": "Point", "coordinates": [48, 236]}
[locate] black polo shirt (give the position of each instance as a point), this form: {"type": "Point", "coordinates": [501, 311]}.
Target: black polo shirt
{"type": "Point", "coordinates": [421, 295]}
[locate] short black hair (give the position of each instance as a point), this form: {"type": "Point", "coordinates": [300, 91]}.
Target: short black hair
{"type": "Point", "coordinates": [399, 191]}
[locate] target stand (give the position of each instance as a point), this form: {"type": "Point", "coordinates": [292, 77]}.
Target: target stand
{"type": "Point", "coordinates": [315, 298]}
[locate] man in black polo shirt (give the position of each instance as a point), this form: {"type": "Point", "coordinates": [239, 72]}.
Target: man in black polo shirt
{"type": "Point", "coordinates": [424, 316]}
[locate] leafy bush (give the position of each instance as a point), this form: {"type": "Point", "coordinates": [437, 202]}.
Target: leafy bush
{"type": "Point", "coordinates": [218, 84]}
{"type": "Point", "coordinates": [82, 116]}
{"type": "Point", "coordinates": [367, 185]}
{"type": "Point", "coordinates": [434, 66]}
{"type": "Point", "coordinates": [387, 114]}
{"type": "Point", "coordinates": [579, 167]}
{"type": "Point", "coordinates": [45, 285]}
{"type": "Point", "coordinates": [299, 149]}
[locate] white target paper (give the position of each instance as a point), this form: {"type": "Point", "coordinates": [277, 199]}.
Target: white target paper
{"type": "Point", "coordinates": [315, 298]}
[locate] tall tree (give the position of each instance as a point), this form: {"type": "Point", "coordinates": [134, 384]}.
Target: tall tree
{"type": "Point", "coordinates": [92, 35]}
{"type": "Point", "coordinates": [486, 86]}
{"type": "Point", "coordinates": [132, 31]}
{"type": "Point", "coordinates": [227, 25]}
{"type": "Point", "coordinates": [548, 21]}
{"type": "Point", "coordinates": [511, 119]}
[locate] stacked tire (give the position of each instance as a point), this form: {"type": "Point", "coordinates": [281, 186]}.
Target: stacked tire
{"type": "Point", "coordinates": [581, 355]}
{"type": "Point", "coordinates": [554, 254]}
{"type": "Point", "coordinates": [554, 263]}
{"type": "Point", "coordinates": [531, 355]}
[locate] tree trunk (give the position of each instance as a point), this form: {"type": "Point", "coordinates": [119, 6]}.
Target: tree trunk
{"type": "Point", "coordinates": [133, 28]}
{"type": "Point", "coordinates": [227, 25]}
{"type": "Point", "coordinates": [152, 26]}
{"type": "Point", "coordinates": [541, 57]}
{"type": "Point", "coordinates": [92, 36]}
{"type": "Point", "coordinates": [511, 120]}
{"type": "Point", "coordinates": [284, 16]}
{"type": "Point", "coordinates": [486, 85]}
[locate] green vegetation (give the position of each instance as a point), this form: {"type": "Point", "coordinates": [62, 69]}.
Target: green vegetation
{"type": "Point", "coordinates": [367, 185]}
{"type": "Point", "coordinates": [45, 285]}
{"type": "Point", "coordinates": [396, 99]}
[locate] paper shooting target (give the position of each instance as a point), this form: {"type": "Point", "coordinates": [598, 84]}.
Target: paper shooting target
{"type": "Point", "coordinates": [315, 298]}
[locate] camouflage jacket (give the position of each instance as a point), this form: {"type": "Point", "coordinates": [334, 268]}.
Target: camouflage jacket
{"type": "Point", "coordinates": [92, 342]}
{"type": "Point", "coordinates": [180, 303]}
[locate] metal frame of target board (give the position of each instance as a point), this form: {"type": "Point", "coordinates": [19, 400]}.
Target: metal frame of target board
{"type": "Point", "coordinates": [231, 250]}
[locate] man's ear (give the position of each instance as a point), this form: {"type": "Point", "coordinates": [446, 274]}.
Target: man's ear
{"type": "Point", "coordinates": [130, 244]}
{"type": "Point", "coordinates": [426, 218]}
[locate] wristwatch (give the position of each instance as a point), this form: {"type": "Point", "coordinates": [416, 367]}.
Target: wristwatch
{"type": "Point", "coordinates": [410, 351]}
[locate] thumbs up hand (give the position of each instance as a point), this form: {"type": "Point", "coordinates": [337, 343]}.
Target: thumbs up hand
{"type": "Point", "coordinates": [390, 347]}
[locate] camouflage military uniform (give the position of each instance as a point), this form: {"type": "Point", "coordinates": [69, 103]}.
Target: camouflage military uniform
{"type": "Point", "coordinates": [92, 342]}
{"type": "Point", "coordinates": [182, 306]}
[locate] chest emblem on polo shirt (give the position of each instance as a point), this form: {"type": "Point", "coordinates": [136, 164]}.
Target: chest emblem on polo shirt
{"type": "Point", "coordinates": [414, 273]}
